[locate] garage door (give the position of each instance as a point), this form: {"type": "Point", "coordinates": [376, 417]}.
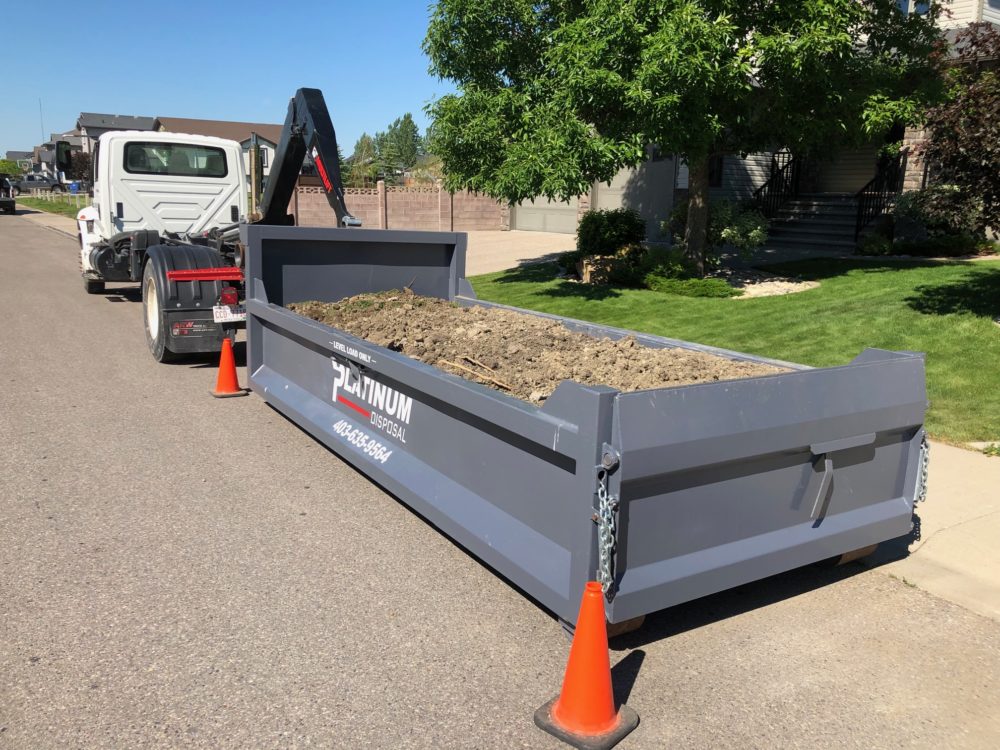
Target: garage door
{"type": "Point", "coordinates": [543, 215]}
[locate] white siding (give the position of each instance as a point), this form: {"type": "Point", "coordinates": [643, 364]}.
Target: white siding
{"type": "Point", "coordinates": [991, 11]}
{"type": "Point", "coordinates": [681, 181]}
{"type": "Point", "coordinates": [648, 189]}
{"type": "Point", "coordinates": [849, 171]}
{"type": "Point", "coordinates": [963, 12]}
{"type": "Point", "coordinates": [741, 176]}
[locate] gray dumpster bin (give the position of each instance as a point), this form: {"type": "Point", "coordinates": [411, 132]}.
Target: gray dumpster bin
{"type": "Point", "coordinates": [664, 495]}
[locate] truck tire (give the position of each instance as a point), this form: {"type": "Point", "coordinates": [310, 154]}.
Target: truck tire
{"type": "Point", "coordinates": [154, 319]}
{"type": "Point", "coordinates": [93, 287]}
{"type": "Point", "coordinates": [16, 190]}
{"type": "Point", "coordinates": [57, 189]}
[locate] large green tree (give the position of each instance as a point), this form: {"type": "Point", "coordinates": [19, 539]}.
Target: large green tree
{"type": "Point", "coordinates": [555, 95]}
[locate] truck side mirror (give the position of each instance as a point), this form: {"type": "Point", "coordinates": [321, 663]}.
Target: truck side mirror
{"type": "Point", "coordinates": [64, 160]}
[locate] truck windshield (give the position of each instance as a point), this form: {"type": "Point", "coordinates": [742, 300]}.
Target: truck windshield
{"type": "Point", "coordinates": [175, 159]}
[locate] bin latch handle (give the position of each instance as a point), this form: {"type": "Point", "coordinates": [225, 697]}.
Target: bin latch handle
{"type": "Point", "coordinates": [824, 485]}
{"type": "Point", "coordinates": [822, 452]}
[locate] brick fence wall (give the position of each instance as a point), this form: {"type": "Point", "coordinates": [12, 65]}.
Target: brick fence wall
{"type": "Point", "coordinates": [404, 208]}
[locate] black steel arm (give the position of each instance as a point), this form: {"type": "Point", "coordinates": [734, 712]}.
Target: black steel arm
{"type": "Point", "coordinates": [308, 131]}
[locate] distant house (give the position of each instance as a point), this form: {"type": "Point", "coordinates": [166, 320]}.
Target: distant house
{"type": "Point", "coordinates": [267, 134]}
{"type": "Point", "coordinates": [21, 157]}
{"type": "Point", "coordinates": [92, 126]}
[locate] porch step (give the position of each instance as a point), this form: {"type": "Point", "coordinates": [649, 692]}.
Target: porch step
{"type": "Point", "coordinates": [812, 242]}
{"type": "Point", "coordinates": [817, 222]}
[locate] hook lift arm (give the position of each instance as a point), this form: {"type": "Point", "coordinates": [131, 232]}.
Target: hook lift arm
{"type": "Point", "coordinates": [308, 131]}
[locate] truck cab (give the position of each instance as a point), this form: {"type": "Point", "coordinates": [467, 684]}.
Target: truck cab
{"type": "Point", "coordinates": [173, 184]}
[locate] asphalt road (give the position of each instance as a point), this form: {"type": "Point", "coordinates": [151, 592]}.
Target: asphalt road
{"type": "Point", "coordinates": [179, 571]}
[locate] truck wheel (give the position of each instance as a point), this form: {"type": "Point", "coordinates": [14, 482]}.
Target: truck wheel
{"type": "Point", "coordinates": [17, 191]}
{"type": "Point", "coordinates": [154, 316]}
{"type": "Point", "coordinates": [93, 287]}
{"type": "Point", "coordinates": [57, 189]}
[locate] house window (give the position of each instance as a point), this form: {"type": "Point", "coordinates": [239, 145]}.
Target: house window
{"type": "Point", "coordinates": [263, 158]}
{"type": "Point", "coordinates": [906, 7]}
{"type": "Point", "coordinates": [715, 170]}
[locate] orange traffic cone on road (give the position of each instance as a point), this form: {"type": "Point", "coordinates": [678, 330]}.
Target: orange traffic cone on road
{"type": "Point", "coordinates": [227, 385]}
{"type": "Point", "coordinates": [584, 715]}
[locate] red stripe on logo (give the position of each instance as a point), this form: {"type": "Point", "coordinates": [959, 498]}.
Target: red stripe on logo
{"type": "Point", "coordinates": [358, 409]}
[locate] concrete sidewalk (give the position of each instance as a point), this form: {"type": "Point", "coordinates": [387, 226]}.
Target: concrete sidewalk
{"type": "Point", "coordinates": [957, 556]}
{"type": "Point", "coordinates": [56, 222]}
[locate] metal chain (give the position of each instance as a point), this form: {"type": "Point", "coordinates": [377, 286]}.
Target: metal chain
{"type": "Point", "coordinates": [925, 450]}
{"type": "Point", "coordinates": [606, 533]}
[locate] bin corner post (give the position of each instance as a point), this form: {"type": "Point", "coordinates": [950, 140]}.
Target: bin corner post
{"type": "Point", "coordinates": [593, 410]}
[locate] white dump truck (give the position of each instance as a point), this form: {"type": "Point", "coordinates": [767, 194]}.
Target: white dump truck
{"type": "Point", "coordinates": [166, 213]}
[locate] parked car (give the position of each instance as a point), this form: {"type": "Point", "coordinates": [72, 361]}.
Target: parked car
{"type": "Point", "coordinates": [38, 182]}
{"type": "Point", "coordinates": [6, 195]}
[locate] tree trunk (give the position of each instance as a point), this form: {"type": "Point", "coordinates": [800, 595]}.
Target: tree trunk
{"type": "Point", "coordinates": [696, 234]}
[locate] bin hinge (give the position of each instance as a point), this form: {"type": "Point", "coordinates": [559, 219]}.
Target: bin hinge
{"type": "Point", "coordinates": [606, 518]}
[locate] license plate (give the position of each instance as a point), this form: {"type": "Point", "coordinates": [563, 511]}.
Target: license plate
{"type": "Point", "coordinates": [229, 313]}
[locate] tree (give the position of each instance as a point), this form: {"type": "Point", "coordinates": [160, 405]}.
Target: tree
{"type": "Point", "coordinates": [553, 96]}
{"type": "Point", "coordinates": [9, 167]}
{"type": "Point", "coordinates": [364, 164]}
{"type": "Point", "coordinates": [399, 146]}
{"type": "Point", "coordinates": [964, 143]}
{"type": "Point", "coordinates": [80, 166]}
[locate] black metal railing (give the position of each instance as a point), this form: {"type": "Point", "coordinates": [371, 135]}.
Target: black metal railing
{"type": "Point", "coordinates": [779, 189]}
{"type": "Point", "coordinates": [881, 190]}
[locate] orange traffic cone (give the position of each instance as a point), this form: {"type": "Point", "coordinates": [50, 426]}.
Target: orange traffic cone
{"type": "Point", "coordinates": [227, 385]}
{"type": "Point", "coordinates": [583, 715]}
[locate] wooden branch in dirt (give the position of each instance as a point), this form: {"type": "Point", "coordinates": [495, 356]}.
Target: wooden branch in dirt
{"type": "Point", "coordinates": [478, 374]}
{"type": "Point", "coordinates": [476, 362]}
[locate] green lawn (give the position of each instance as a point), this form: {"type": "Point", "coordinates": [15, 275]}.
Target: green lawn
{"type": "Point", "coordinates": [64, 205]}
{"type": "Point", "coordinates": [943, 309]}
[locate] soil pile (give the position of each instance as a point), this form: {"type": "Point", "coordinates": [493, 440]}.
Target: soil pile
{"type": "Point", "coordinates": [519, 354]}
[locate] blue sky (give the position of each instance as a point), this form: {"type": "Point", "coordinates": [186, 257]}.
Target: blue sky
{"type": "Point", "coordinates": [218, 60]}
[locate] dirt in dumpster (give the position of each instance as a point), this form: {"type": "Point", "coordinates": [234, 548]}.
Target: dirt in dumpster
{"type": "Point", "coordinates": [516, 353]}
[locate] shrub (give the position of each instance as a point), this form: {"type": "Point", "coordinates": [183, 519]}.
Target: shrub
{"type": "Point", "coordinates": [739, 226]}
{"type": "Point", "coordinates": [940, 210]}
{"type": "Point", "coordinates": [942, 246]}
{"type": "Point", "coordinates": [875, 244]}
{"type": "Point", "coordinates": [608, 232]}
{"type": "Point", "coordinates": [690, 287]}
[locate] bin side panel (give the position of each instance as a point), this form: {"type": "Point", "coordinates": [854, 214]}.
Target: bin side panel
{"type": "Point", "coordinates": [732, 482]}
{"type": "Point", "coordinates": [523, 508]}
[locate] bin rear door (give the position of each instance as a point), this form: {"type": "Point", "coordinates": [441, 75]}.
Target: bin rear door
{"type": "Point", "coordinates": [726, 483]}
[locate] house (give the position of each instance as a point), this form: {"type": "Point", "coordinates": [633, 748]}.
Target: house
{"type": "Point", "coordinates": [267, 134]}
{"type": "Point", "coordinates": [91, 126]}
{"type": "Point", "coordinates": [43, 156]}
{"type": "Point", "coordinates": [24, 159]}
{"type": "Point", "coordinates": [824, 204]}
{"type": "Point", "coordinates": [646, 189]}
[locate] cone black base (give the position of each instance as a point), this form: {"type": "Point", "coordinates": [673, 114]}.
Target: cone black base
{"type": "Point", "coordinates": [627, 721]}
